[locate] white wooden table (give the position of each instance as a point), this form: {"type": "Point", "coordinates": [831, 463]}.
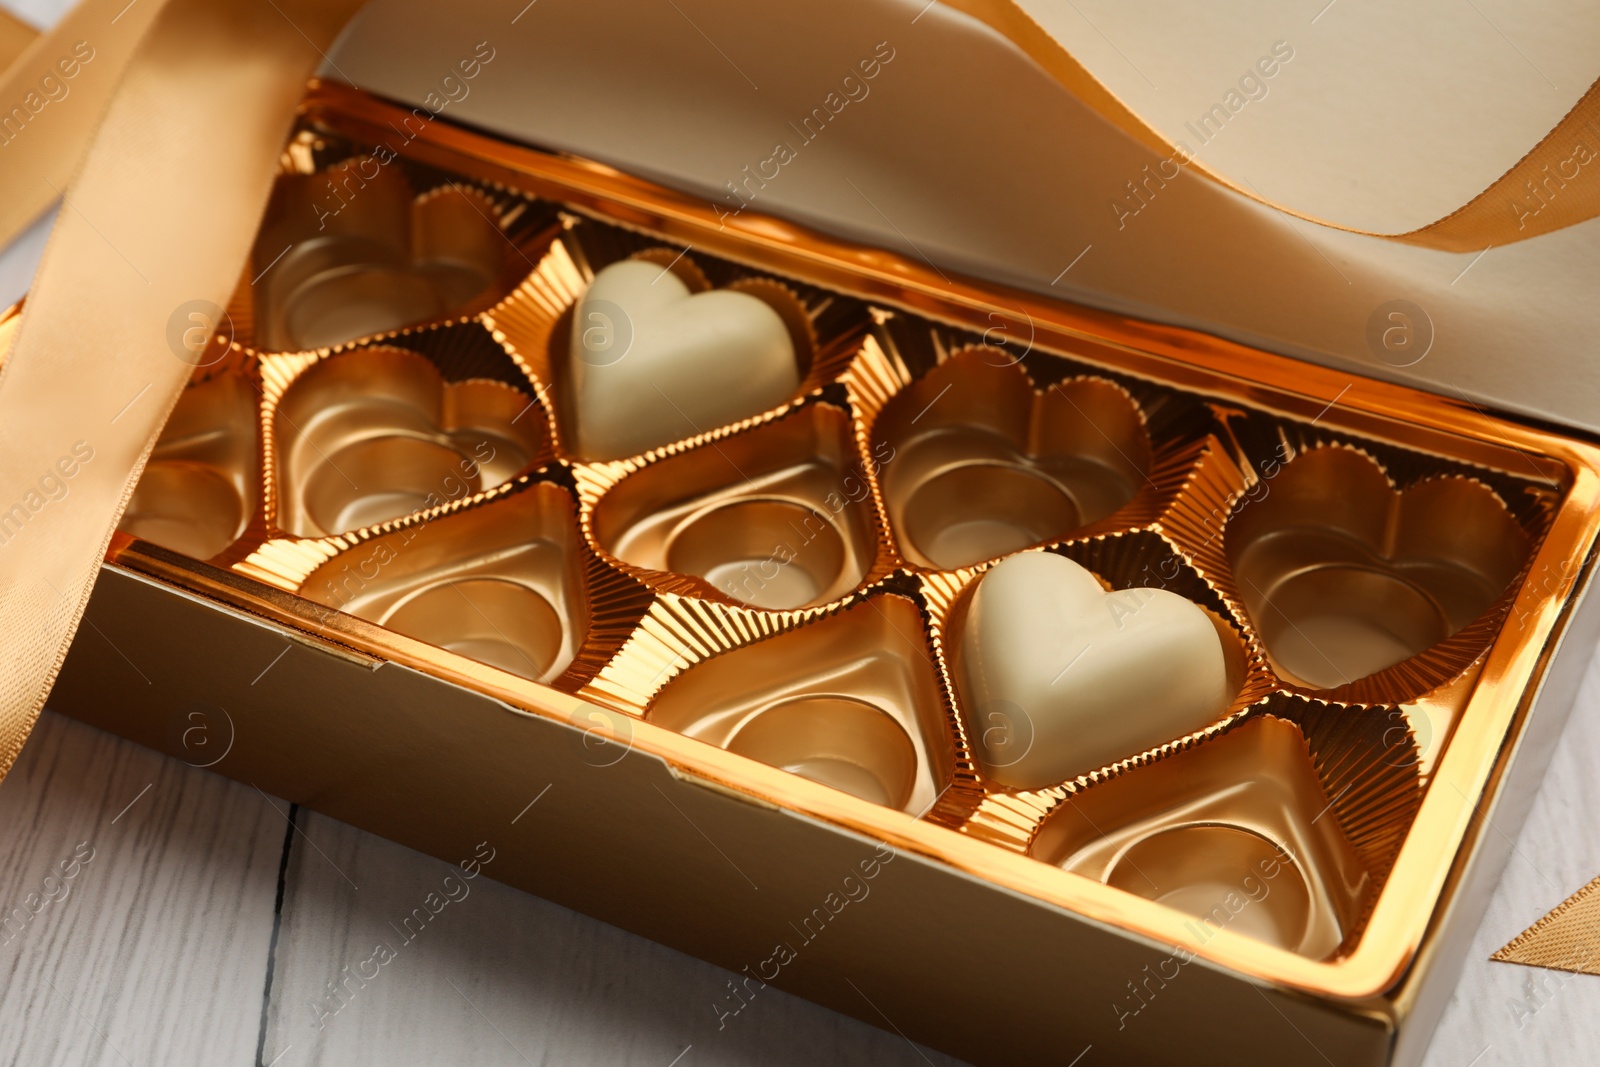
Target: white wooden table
{"type": "Point", "coordinates": [206, 927]}
{"type": "Point", "coordinates": [209, 920]}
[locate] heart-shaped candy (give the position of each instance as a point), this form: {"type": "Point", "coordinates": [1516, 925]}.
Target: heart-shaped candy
{"type": "Point", "coordinates": [652, 363]}
{"type": "Point", "coordinates": [1061, 678]}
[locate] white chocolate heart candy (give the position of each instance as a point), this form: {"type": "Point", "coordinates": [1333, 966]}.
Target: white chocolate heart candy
{"type": "Point", "coordinates": [652, 364]}
{"type": "Point", "coordinates": [1061, 678]}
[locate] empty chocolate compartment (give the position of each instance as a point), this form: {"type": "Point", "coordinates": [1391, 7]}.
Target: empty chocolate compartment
{"type": "Point", "coordinates": [1232, 832]}
{"type": "Point", "coordinates": [502, 584]}
{"type": "Point", "coordinates": [982, 464]}
{"type": "Point", "coordinates": [350, 252]}
{"type": "Point", "coordinates": [1345, 577]}
{"type": "Point", "coordinates": [198, 490]}
{"type": "Point", "coordinates": [778, 517]}
{"type": "Point", "coordinates": [373, 434]}
{"type": "Point", "coordinates": [851, 700]}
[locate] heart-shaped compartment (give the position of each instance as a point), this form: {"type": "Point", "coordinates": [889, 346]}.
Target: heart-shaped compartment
{"type": "Point", "coordinates": [351, 252]}
{"type": "Point", "coordinates": [1060, 675]}
{"type": "Point", "coordinates": [374, 434]}
{"type": "Point", "coordinates": [984, 465]}
{"type": "Point", "coordinates": [1345, 577]}
{"type": "Point", "coordinates": [502, 584]}
{"type": "Point", "coordinates": [778, 517]}
{"type": "Point", "coordinates": [1234, 832]}
{"type": "Point", "coordinates": [198, 490]}
{"type": "Point", "coordinates": [850, 700]}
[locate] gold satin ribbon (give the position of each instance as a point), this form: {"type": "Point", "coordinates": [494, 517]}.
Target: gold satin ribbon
{"type": "Point", "coordinates": [1567, 939]}
{"type": "Point", "coordinates": [1552, 187]}
{"type": "Point", "coordinates": [42, 139]}
{"type": "Point", "coordinates": [15, 37]}
{"type": "Point", "coordinates": [161, 213]}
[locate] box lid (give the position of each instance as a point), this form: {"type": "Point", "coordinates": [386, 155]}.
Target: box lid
{"type": "Point", "coordinates": [920, 128]}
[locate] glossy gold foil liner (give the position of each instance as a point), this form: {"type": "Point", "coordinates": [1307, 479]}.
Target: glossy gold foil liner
{"type": "Point", "coordinates": [984, 466]}
{"type": "Point", "coordinates": [987, 449]}
{"type": "Point", "coordinates": [1418, 573]}
{"type": "Point", "coordinates": [506, 581]}
{"type": "Point", "coordinates": [360, 246]}
{"type": "Point", "coordinates": [1138, 560]}
{"type": "Point", "coordinates": [534, 322]}
{"type": "Point", "coordinates": [865, 665]}
{"type": "Point", "coordinates": [368, 435]}
{"type": "Point", "coordinates": [1229, 834]}
{"type": "Point", "coordinates": [213, 489]}
{"type": "Point", "coordinates": [200, 489]}
{"type": "Point", "coordinates": [1324, 792]}
{"type": "Point", "coordinates": [777, 516]}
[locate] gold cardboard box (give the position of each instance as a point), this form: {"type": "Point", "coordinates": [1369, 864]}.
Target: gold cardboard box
{"type": "Point", "coordinates": [1296, 881]}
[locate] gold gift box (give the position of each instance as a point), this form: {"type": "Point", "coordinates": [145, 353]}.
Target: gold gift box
{"type": "Point", "coordinates": [603, 675]}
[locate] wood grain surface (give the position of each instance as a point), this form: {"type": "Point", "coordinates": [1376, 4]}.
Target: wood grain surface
{"type": "Point", "coordinates": [204, 929]}
{"type": "Point", "coordinates": [138, 898]}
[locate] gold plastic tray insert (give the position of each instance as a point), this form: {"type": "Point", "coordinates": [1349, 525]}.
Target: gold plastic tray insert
{"type": "Point", "coordinates": [775, 605]}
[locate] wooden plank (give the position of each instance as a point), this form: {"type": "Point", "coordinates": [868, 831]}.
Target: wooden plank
{"type": "Point", "coordinates": [138, 898]}
{"type": "Point", "coordinates": [1512, 1015]}
{"type": "Point", "coordinates": [502, 977]}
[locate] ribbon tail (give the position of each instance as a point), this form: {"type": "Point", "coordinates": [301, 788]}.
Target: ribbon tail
{"type": "Point", "coordinates": [53, 94]}
{"type": "Point", "coordinates": [159, 219]}
{"type": "Point", "coordinates": [15, 37]}
{"type": "Point", "coordinates": [1521, 203]}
